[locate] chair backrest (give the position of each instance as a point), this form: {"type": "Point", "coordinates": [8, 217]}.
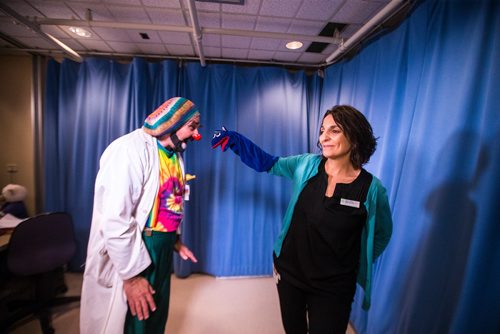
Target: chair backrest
{"type": "Point", "coordinates": [41, 244]}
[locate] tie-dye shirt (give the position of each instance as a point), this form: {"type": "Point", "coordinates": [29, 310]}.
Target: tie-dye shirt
{"type": "Point", "coordinates": [168, 208]}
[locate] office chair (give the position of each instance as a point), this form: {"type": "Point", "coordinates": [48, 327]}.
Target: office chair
{"type": "Point", "coordinates": [39, 247]}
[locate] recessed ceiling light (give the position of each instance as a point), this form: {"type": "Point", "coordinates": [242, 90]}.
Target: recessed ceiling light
{"type": "Point", "coordinates": [80, 32]}
{"type": "Point", "coordinates": [294, 45]}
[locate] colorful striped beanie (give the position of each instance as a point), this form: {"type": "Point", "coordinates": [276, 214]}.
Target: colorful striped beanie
{"type": "Point", "coordinates": [170, 116]}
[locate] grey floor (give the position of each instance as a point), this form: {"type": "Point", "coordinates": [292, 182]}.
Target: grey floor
{"type": "Point", "coordinates": [200, 304]}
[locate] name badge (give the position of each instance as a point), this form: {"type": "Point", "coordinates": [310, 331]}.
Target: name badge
{"type": "Point", "coordinates": [187, 192]}
{"type": "Point", "coordinates": [349, 202]}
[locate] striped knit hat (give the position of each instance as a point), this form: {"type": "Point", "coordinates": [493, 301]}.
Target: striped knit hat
{"type": "Point", "coordinates": [170, 116]}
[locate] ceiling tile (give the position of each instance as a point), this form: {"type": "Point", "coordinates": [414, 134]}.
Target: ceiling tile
{"type": "Point", "coordinates": [280, 8]}
{"type": "Point", "coordinates": [236, 42]}
{"type": "Point", "coordinates": [251, 7]}
{"type": "Point", "coordinates": [20, 7]}
{"type": "Point", "coordinates": [169, 17]}
{"type": "Point", "coordinates": [96, 45]}
{"type": "Point", "coordinates": [121, 2]}
{"type": "Point", "coordinates": [212, 52]}
{"type": "Point", "coordinates": [208, 6]}
{"type": "Point", "coordinates": [129, 14]}
{"type": "Point", "coordinates": [53, 9]}
{"type": "Point", "coordinates": [265, 43]}
{"type": "Point", "coordinates": [260, 54]}
{"type": "Point", "coordinates": [121, 47]}
{"type": "Point", "coordinates": [209, 20]}
{"type": "Point", "coordinates": [230, 21]}
{"type": "Point", "coordinates": [154, 49]}
{"type": "Point", "coordinates": [272, 24]}
{"type": "Point", "coordinates": [175, 37]}
{"type": "Point", "coordinates": [303, 27]}
{"type": "Point", "coordinates": [183, 50]}
{"type": "Point", "coordinates": [162, 3]}
{"type": "Point", "coordinates": [312, 58]}
{"type": "Point", "coordinates": [99, 12]}
{"type": "Point", "coordinates": [357, 11]}
{"type": "Point", "coordinates": [109, 34]}
{"type": "Point", "coordinates": [319, 9]}
{"type": "Point", "coordinates": [234, 53]}
{"type": "Point", "coordinates": [287, 56]}
{"type": "Point", "coordinates": [212, 40]}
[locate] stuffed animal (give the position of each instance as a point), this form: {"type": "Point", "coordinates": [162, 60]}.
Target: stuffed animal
{"type": "Point", "coordinates": [12, 201]}
{"type": "Point", "coordinates": [14, 193]}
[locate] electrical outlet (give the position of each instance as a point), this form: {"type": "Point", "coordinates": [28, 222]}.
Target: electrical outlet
{"type": "Point", "coordinates": [12, 168]}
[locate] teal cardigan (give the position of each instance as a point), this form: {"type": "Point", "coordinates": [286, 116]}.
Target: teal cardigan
{"type": "Point", "coordinates": [377, 231]}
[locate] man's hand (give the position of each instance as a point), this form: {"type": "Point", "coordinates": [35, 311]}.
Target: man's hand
{"type": "Point", "coordinates": [184, 252]}
{"type": "Point", "coordinates": [139, 296]}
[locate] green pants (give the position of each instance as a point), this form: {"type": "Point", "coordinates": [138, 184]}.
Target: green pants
{"type": "Point", "coordinates": [160, 246]}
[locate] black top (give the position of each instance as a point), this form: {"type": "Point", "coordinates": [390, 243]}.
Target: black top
{"type": "Point", "coordinates": [321, 250]}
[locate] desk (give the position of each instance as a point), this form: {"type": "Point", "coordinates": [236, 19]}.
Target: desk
{"type": "Point", "coordinates": [4, 240]}
{"type": "Point", "coordinates": [7, 223]}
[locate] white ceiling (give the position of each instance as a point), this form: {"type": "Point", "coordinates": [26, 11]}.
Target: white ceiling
{"type": "Point", "coordinates": [256, 31]}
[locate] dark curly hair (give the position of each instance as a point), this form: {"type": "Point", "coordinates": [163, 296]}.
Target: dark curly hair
{"type": "Point", "coordinates": [358, 131]}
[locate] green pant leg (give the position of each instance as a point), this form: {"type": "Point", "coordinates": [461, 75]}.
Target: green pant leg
{"type": "Point", "coordinates": [160, 246]}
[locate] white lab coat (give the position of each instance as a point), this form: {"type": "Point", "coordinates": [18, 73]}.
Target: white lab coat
{"type": "Point", "coordinates": [125, 188]}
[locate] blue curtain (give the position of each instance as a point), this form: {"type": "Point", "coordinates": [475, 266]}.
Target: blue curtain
{"type": "Point", "coordinates": [430, 90]}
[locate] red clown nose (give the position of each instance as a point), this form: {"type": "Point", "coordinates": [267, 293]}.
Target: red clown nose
{"type": "Point", "coordinates": [196, 136]}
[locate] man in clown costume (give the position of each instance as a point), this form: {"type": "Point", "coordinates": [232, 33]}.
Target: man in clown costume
{"type": "Point", "coordinates": [138, 207]}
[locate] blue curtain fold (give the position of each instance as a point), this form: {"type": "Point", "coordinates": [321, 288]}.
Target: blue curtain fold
{"type": "Point", "coordinates": [430, 90]}
{"type": "Point", "coordinates": [437, 117]}
{"type": "Point", "coordinates": [234, 214]}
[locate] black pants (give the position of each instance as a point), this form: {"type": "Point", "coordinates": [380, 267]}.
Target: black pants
{"type": "Point", "coordinates": [320, 314]}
